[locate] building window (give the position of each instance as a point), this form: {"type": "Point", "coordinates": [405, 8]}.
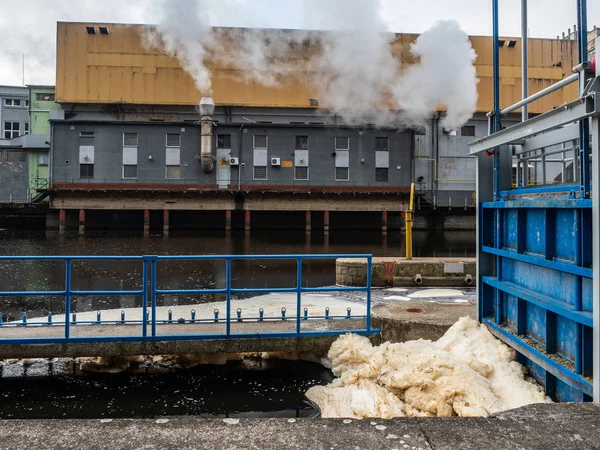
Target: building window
{"type": "Point", "coordinates": [382, 144]}
{"type": "Point", "coordinates": [11, 130]}
{"type": "Point", "coordinates": [130, 139]}
{"type": "Point", "coordinates": [381, 174]}
{"type": "Point", "coordinates": [173, 140]}
{"type": "Point", "coordinates": [21, 103]}
{"type": "Point", "coordinates": [173, 172]}
{"type": "Point", "coordinates": [301, 143]}
{"type": "Point", "coordinates": [86, 134]}
{"type": "Point", "coordinates": [129, 170]}
{"type": "Point", "coordinates": [467, 130]}
{"type": "Point", "coordinates": [26, 131]}
{"type": "Point", "coordinates": [42, 159]}
{"type": "Point", "coordinates": [342, 143]}
{"type": "Point", "coordinates": [42, 97]}
{"type": "Point", "coordinates": [300, 173]}
{"type": "Point", "coordinates": [342, 174]}
{"type": "Point", "coordinates": [15, 156]}
{"type": "Point", "coordinates": [260, 172]}
{"type": "Point", "coordinates": [224, 141]}
{"type": "Point", "coordinates": [86, 171]}
{"type": "Point", "coordinates": [261, 141]}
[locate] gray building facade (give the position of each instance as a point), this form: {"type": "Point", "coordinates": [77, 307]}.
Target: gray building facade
{"type": "Point", "coordinates": [260, 147]}
{"type": "Point", "coordinates": [14, 111]}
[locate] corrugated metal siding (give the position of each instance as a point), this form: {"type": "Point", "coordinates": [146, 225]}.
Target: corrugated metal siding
{"type": "Point", "coordinates": [119, 68]}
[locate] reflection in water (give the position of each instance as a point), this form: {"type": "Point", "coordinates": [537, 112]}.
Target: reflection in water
{"type": "Point", "coordinates": [223, 391]}
{"type": "Point", "coordinates": [127, 275]}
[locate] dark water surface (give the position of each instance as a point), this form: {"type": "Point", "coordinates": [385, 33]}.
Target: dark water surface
{"type": "Point", "coordinates": [179, 274]}
{"type": "Point", "coordinates": [232, 390]}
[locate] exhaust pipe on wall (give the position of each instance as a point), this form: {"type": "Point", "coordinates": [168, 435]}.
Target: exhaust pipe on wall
{"type": "Point", "coordinates": [418, 278]}
{"type": "Point", "coordinates": [469, 279]}
{"type": "Point", "coordinates": [207, 157]}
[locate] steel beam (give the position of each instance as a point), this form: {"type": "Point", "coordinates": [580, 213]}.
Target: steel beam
{"type": "Point", "coordinates": [565, 134]}
{"type": "Point", "coordinates": [559, 117]}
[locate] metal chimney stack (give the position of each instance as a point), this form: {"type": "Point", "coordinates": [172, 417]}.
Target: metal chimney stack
{"type": "Point", "coordinates": [207, 109]}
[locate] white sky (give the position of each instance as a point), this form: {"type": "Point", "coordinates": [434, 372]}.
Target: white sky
{"type": "Point", "coordinates": [28, 27]}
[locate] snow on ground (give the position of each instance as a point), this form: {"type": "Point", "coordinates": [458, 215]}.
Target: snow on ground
{"type": "Point", "coordinates": [270, 303]}
{"type": "Point", "coordinates": [467, 372]}
{"type": "Point", "coordinates": [434, 293]}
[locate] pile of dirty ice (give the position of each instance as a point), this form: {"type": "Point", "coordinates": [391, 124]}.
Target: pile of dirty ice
{"type": "Point", "coordinates": [467, 372]}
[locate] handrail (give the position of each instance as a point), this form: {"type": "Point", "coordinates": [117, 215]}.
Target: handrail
{"type": "Point", "coordinates": [149, 291]}
{"type": "Point", "coordinates": [554, 87]}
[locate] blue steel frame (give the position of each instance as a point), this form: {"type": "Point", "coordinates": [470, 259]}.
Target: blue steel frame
{"type": "Point", "coordinates": [150, 291]}
{"type": "Point", "coordinates": [537, 296]}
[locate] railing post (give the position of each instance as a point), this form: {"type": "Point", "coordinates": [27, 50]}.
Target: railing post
{"type": "Point", "coordinates": [299, 293]}
{"type": "Point", "coordinates": [145, 260]}
{"type": "Point", "coordinates": [369, 270]}
{"type": "Point", "coordinates": [153, 260]}
{"type": "Point", "coordinates": [228, 296]}
{"type": "Point", "coordinates": [67, 298]}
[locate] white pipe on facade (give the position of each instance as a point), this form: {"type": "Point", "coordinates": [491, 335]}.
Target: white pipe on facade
{"type": "Point", "coordinates": [207, 157]}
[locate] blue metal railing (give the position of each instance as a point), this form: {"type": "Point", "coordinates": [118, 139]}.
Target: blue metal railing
{"type": "Point", "coordinates": [149, 292]}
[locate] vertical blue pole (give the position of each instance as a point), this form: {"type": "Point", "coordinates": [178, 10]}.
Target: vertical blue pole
{"type": "Point", "coordinates": [584, 124]}
{"type": "Point", "coordinates": [67, 298]}
{"type": "Point", "coordinates": [144, 296]}
{"type": "Point", "coordinates": [369, 270]}
{"type": "Point", "coordinates": [496, 79]}
{"type": "Point", "coordinates": [228, 295]}
{"type": "Point", "coordinates": [497, 127]}
{"type": "Point", "coordinates": [153, 294]}
{"type": "Point", "coordinates": [299, 293]}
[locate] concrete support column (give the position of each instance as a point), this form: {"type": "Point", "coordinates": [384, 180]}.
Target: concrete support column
{"type": "Point", "coordinates": [384, 217]}
{"type": "Point", "coordinates": [166, 222]}
{"type": "Point", "coordinates": [81, 222]}
{"type": "Point", "coordinates": [308, 222]}
{"type": "Point", "coordinates": [228, 220]}
{"type": "Point", "coordinates": [326, 222]}
{"type": "Point", "coordinates": [247, 220]}
{"type": "Point", "coordinates": [62, 218]}
{"type": "Point", "coordinates": [146, 222]}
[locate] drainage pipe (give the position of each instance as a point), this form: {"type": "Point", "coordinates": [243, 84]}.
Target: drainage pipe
{"type": "Point", "coordinates": [207, 157]}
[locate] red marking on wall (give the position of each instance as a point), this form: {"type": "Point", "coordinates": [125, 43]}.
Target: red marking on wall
{"type": "Point", "coordinates": [388, 267]}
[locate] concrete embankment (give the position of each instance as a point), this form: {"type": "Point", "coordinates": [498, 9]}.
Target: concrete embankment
{"type": "Point", "coordinates": [403, 272]}
{"type": "Point", "coordinates": [542, 426]}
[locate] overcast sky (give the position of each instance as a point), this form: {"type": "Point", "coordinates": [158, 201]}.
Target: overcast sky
{"type": "Point", "coordinates": [28, 27]}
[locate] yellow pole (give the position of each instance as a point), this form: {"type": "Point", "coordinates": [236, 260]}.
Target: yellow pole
{"type": "Point", "coordinates": [409, 222]}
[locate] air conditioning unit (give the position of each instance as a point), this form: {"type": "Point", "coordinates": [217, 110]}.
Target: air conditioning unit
{"type": "Point", "coordinates": [275, 161]}
{"type": "Point", "coordinates": [234, 161]}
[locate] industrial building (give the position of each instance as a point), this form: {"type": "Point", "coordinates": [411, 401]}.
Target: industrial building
{"type": "Point", "coordinates": [25, 148]}
{"type": "Point", "coordinates": [129, 146]}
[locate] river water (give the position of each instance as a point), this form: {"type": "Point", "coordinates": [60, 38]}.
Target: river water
{"type": "Point", "coordinates": [180, 274]}
{"type": "Point", "coordinates": [277, 390]}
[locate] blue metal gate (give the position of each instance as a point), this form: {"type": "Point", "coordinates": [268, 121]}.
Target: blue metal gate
{"type": "Point", "coordinates": [538, 253]}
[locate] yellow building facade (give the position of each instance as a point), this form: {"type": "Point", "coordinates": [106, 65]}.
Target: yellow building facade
{"type": "Point", "coordinates": [119, 67]}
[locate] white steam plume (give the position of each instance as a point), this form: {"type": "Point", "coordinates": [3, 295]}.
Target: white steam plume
{"type": "Point", "coordinates": [354, 66]}
{"type": "Point", "coordinates": [444, 76]}
{"type": "Point", "coordinates": [183, 32]}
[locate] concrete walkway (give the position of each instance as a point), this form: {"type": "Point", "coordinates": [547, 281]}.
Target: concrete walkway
{"type": "Point", "coordinates": [545, 426]}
